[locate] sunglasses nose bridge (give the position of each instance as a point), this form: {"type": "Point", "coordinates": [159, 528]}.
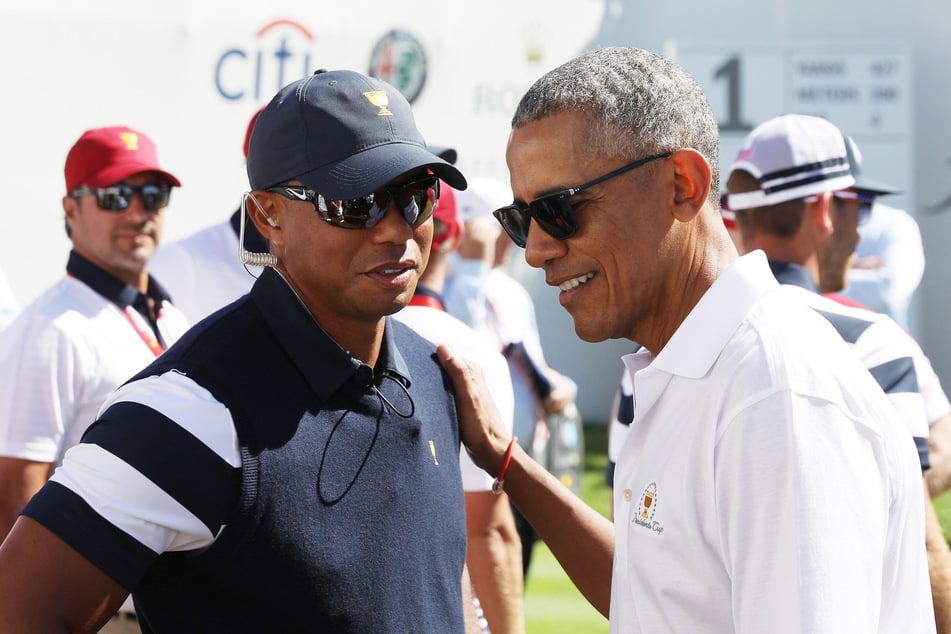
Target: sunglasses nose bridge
{"type": "Point", "coordinates": [382, 202]}
{"type": "Point", "coordinates": [149, 199]}
{"type": "Point", "coordinates": [388, 200]}
{"type": "Point", "coordinates": [407, 200]}
{"type": "Point", "coordinates": [141, 202]}
{"type": "Point", "coordinates": [135, 207]}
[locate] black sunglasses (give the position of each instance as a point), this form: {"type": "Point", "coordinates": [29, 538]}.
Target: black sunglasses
{"type": "Point", "coordinates": [416, 199]}
{"type": "Point", "coordinates": [117, 198]}
{"type": "Point", "coordinates": [553, 212]}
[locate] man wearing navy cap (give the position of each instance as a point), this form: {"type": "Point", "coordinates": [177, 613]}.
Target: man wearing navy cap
{"type": "Point", "coordinates": [295, 461]}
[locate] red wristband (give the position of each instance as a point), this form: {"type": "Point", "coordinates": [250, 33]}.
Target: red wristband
{"type": "Point", "coordinates": [499, 481]}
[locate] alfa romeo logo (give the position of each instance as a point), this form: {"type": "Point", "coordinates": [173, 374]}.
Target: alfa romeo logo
{"type": "Point", "coordinates": [399, 59]}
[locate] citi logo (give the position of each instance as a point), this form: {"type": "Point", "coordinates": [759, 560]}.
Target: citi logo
{"type": "Point", "coordinates": [280, 54]}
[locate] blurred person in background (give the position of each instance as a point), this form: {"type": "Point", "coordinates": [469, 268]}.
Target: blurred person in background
{"type": "Point", "coordinates": [482, 293]}
{"type": "Point", "coordinates": [493, 549]}
{"type": "Point", "coordinates": [204, 272]}
{"type": "Point", "coordinates": [889, 263]}
{"type": "Point", "coordinates": [809, 235]}
{"type": "Point", "coordinates": [105, 320]}
{"type": "Point", "coordinates": [8, 303]}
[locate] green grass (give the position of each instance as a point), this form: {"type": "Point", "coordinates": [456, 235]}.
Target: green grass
{"type": "Point", "coordinates": [552, 603]}
{"type": "Point", "coordinates": [942, 506]}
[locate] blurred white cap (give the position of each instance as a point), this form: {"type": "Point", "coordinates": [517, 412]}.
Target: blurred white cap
{"type": "Point", "coordinates": [481, 198]}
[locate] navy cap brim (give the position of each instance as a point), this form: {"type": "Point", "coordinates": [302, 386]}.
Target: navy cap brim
{"type": "Point", "coordinates": [863, 184]}
{"type": "Point", "coordinates": [447, 154]}
{"type": "Point", "coordinates": [369, 170]}
{"type": "Point", "coordinates": [876, 188]}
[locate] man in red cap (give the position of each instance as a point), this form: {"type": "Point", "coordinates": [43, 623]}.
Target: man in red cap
{"type": "Point", "coordinates": [100, 324]}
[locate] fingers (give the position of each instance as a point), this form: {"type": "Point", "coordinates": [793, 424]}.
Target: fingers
{"type": "Point", "coordinates": [448, 360]}
{"type": "Point", "coordinates": [466, 379]}
{"type": "Point", "coordinates": [479, 423]}
{"type": "Point", "coordinates": [556, 402]}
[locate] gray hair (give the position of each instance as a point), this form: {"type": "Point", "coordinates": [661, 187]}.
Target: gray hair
{"type": "Point", "coordinates": [640, 103]}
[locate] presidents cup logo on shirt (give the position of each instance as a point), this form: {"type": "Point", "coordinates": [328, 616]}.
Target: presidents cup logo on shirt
{"type": "Point", "coordinates": [644, 514]}
{"type": "Point", "coordinates": [381, 100]}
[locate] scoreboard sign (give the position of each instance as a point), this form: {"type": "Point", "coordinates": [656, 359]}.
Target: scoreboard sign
{"type": "Point", "coordinates": [865, 89]}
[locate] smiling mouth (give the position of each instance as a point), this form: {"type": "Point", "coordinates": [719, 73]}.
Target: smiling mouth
{"type": "Point", "coordinates": [139, 235]}
{"type": "Point", "coordinates": [575, 282]}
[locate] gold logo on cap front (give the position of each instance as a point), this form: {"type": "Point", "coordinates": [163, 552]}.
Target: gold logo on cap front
{"type": "Point", "coordinates": [131, 140]}
{"type": "Point", "coordinates": [379, 99]}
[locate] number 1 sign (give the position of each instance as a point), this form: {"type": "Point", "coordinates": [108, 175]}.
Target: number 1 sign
{"type": "Point", "coordinates": [865, 89]}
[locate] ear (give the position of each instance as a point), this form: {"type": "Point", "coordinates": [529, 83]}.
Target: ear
{"type": "Point", "coordinates": [69, 206]}
{"type": "Point", "coordinates": [820, 214]}
{"type": "Point", "coordinates": [70, 210]}
{"type": "Point", "coordinates": [265, 209]}
{"type": "Point", "coordinates": [691, 183]}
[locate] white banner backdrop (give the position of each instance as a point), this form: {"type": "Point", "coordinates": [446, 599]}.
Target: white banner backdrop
{"type": "Point", "coordinates": [191, 74]}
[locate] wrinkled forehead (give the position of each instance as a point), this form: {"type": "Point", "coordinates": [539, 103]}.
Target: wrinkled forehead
{"type": "Point", "coordinates": [549, 154]}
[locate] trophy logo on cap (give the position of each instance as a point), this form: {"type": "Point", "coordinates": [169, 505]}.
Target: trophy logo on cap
{"type": "Point", "coordinates": [381, 100]}
{"type": "Point", "coordinates": [131, 140]}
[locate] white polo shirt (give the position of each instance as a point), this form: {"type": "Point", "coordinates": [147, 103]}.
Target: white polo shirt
{"type": "Point", "coordinates": [202, 272]}
{"type": "Point", "coordinates": [60, 359]}
{"type": "Point", "coordinates": [936, 400]}
{"type": "Point", "coordinates": [766, 484]}
{"type": "Point", "coordinates": [8, 304]}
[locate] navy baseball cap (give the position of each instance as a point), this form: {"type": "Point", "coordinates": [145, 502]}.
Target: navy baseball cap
{"type": "Point", "coordinates": [862, 183]}
{"type": "Point", "coordinates": [447, 154]}
{"type": "Point", "coordinates": [342, 134]}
